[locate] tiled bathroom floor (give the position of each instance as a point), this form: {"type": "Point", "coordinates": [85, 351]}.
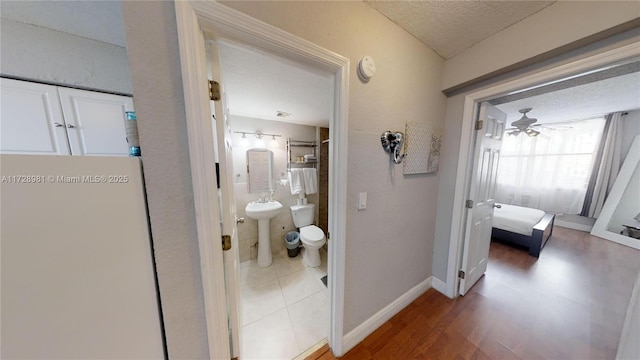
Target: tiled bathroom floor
{"type": "Point", "coordinates": [285, 307]}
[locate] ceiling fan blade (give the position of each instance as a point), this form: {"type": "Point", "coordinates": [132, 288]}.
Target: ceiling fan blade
{"type": "Point", "coordinates": [557, 127]}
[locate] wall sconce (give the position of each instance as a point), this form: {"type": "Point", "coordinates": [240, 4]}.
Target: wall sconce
{"type": "Point", "coordinates": [392, 142]}
{"type": "Point", "coordinates": [274, 142]}
{"type": "Point", "coordinates": [243, 140]}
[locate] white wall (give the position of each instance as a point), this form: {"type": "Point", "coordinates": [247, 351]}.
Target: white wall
{"type": "Point", "coordinates": [283, 223]}
{"type": "Point", "coordinates": [42, 54]}
{"type": "Point", "coordinates": [80, 283]}
{"type": "Point", "coordinates": [453, 128]}
{"type": "Point", "coordinates": [556, 29]}
{"type": "Point", "coordinates": [157, 86]}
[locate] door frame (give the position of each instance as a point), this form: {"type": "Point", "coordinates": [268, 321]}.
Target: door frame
{"type": "Point", "coordinates": [217, 21]}
{"type": "Point", "coordinates": [465, 156]}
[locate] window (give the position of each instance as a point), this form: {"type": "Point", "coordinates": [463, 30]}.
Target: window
{"type": "Point", "coordinates": [550, 171]}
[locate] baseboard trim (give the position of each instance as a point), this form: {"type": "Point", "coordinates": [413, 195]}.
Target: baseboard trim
{"type": "Point", "coordinates": [355, 336]}
{"type": "Point", "coordinates": [574, 226]}
{"type": "Point", "coordinates": [439, 285]}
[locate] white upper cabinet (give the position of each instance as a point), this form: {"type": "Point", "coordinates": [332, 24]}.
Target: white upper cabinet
{"type": "Point", "coordinates": [51, 120]}
{"type": "Point", "coordinates": [31, 120]}
{"type": "Point", "coordinates": [95, 122]}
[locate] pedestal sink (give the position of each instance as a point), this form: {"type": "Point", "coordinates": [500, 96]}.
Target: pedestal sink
{"type": "Point", "coordinates": [263, 211]}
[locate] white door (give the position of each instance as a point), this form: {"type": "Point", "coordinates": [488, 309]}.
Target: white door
{"type": "Point", "coordinates": [490, 130]}
{"type": "Point", "coordinates": [95, 122]}
{"type": "Point", "coordinates": [228, 221]}
{"type": "Point", "coordinates": [31, 119]}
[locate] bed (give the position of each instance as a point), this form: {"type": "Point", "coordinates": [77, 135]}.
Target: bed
{"type": "Point", "coordinates": [523, 226]}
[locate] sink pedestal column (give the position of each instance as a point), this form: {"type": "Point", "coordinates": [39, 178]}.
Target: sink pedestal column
{"type": "Point", "coordinates": [264, 244]}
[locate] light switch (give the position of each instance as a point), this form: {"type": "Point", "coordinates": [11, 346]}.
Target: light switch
{"type": "Point", "coordinates": [362, 201]}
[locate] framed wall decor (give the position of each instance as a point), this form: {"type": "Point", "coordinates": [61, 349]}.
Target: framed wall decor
{"type": "Point", "coordinates": [422, 148]}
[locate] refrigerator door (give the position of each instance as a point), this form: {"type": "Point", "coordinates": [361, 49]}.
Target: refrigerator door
{"type": "Point", "coordinates": [76, 262]}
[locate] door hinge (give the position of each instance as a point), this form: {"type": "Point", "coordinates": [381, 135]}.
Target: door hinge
{"type": "Point", "coordinates": [468, 204]}
{"type": "Point", "coordinates": [461, 274]}
{"type": "Point", "coordinates": [328, 235]}
{"type": "Point", "coordinates": [226, 242]}
{"type": "Point", "coordinates": [214, 90]}
{"type": "Point", "coordinates": [479, 124]}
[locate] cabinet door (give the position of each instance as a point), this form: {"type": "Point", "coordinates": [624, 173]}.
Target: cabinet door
{"type": "Point", "coordinates": [95, 122]}
{"type": "Point", "coordinates": [31, 120]}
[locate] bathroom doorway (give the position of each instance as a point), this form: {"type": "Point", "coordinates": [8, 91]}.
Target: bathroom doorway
{"type": "Point", "coordinates": [218, 22]}
{"type": "Point", "coordinates": [279, 109]}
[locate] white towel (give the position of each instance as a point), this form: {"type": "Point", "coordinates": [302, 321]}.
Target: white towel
{"type": "Point", "coordinates": [310, 180]}
{"type": "Point", "coordinates": [296, 181]}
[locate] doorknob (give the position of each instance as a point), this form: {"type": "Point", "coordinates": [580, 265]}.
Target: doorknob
{"type": "Point", "coordinates": [497, 206]}
{"type": "Point", "coordinates": [239, 220]}
{"type": "Point", "coordinates": [58, 125]}
{"type": "Point", "coordinates": [69, 126]}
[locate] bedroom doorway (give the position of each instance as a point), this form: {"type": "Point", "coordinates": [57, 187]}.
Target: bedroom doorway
{"type": "Point", "coordinates": [462, 216]}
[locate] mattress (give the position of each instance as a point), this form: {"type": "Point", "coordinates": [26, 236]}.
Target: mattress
{"type": "Point", "coordinates": [516, 219]}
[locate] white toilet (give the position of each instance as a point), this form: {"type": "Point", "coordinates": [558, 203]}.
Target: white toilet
{"type": "Point", "coordinates": [312, 237]}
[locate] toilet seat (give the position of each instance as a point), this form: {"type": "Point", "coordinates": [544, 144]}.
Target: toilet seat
{"type": "Point", "coordinates": [311, 234]}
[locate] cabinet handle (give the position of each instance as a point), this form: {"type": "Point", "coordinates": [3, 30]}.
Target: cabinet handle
{"type": "Point", "coordinates": [58, 125]}
{"type": "Point", "coordinates": [69, 126]}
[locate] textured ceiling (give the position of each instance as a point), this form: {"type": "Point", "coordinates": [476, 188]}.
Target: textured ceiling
{"type": "Point", "coordinates": [450, 27]}
{"type": "Point", "coordinates": [598, 98]}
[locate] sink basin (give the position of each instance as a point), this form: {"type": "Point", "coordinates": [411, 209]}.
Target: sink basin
{"type": "Point", "coordinates": [263, 211]}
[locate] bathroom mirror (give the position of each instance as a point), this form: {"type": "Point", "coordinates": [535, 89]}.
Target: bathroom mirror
{"type": "Point", "coordinates": [622, 207]}
{"type": "Point", "coordinates": [259, 170]}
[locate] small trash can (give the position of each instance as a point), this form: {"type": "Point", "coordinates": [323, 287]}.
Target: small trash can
{"type": "Point", "coordinates": [292, 241]}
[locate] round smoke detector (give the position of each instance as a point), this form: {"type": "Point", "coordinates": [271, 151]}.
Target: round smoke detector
{"type": "Point", "coordinates": [366, 68]}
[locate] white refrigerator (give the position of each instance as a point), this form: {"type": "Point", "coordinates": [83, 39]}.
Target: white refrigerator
{"type": "Point", "coordinates": [77, 273]}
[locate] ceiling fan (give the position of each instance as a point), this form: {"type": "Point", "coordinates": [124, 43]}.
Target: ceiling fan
{"type": "Point", "coordinates": [524, 125]}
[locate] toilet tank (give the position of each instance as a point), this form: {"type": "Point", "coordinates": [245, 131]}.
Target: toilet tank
{"type": "Point", "coordinates": [302, 214]}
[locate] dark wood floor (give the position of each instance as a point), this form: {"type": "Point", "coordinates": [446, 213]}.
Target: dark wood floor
{"type": "Point", "coordinates": [568, 304]}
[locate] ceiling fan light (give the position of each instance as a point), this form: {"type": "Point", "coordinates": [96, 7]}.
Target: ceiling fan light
{"type": "Point", "coordinates": [532, 132]}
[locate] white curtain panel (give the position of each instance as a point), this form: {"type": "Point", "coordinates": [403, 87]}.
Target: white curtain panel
{"type": "Point", "coordinates": [609, 166]}
{"type": "Point", "coordinates": [551, 171]}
